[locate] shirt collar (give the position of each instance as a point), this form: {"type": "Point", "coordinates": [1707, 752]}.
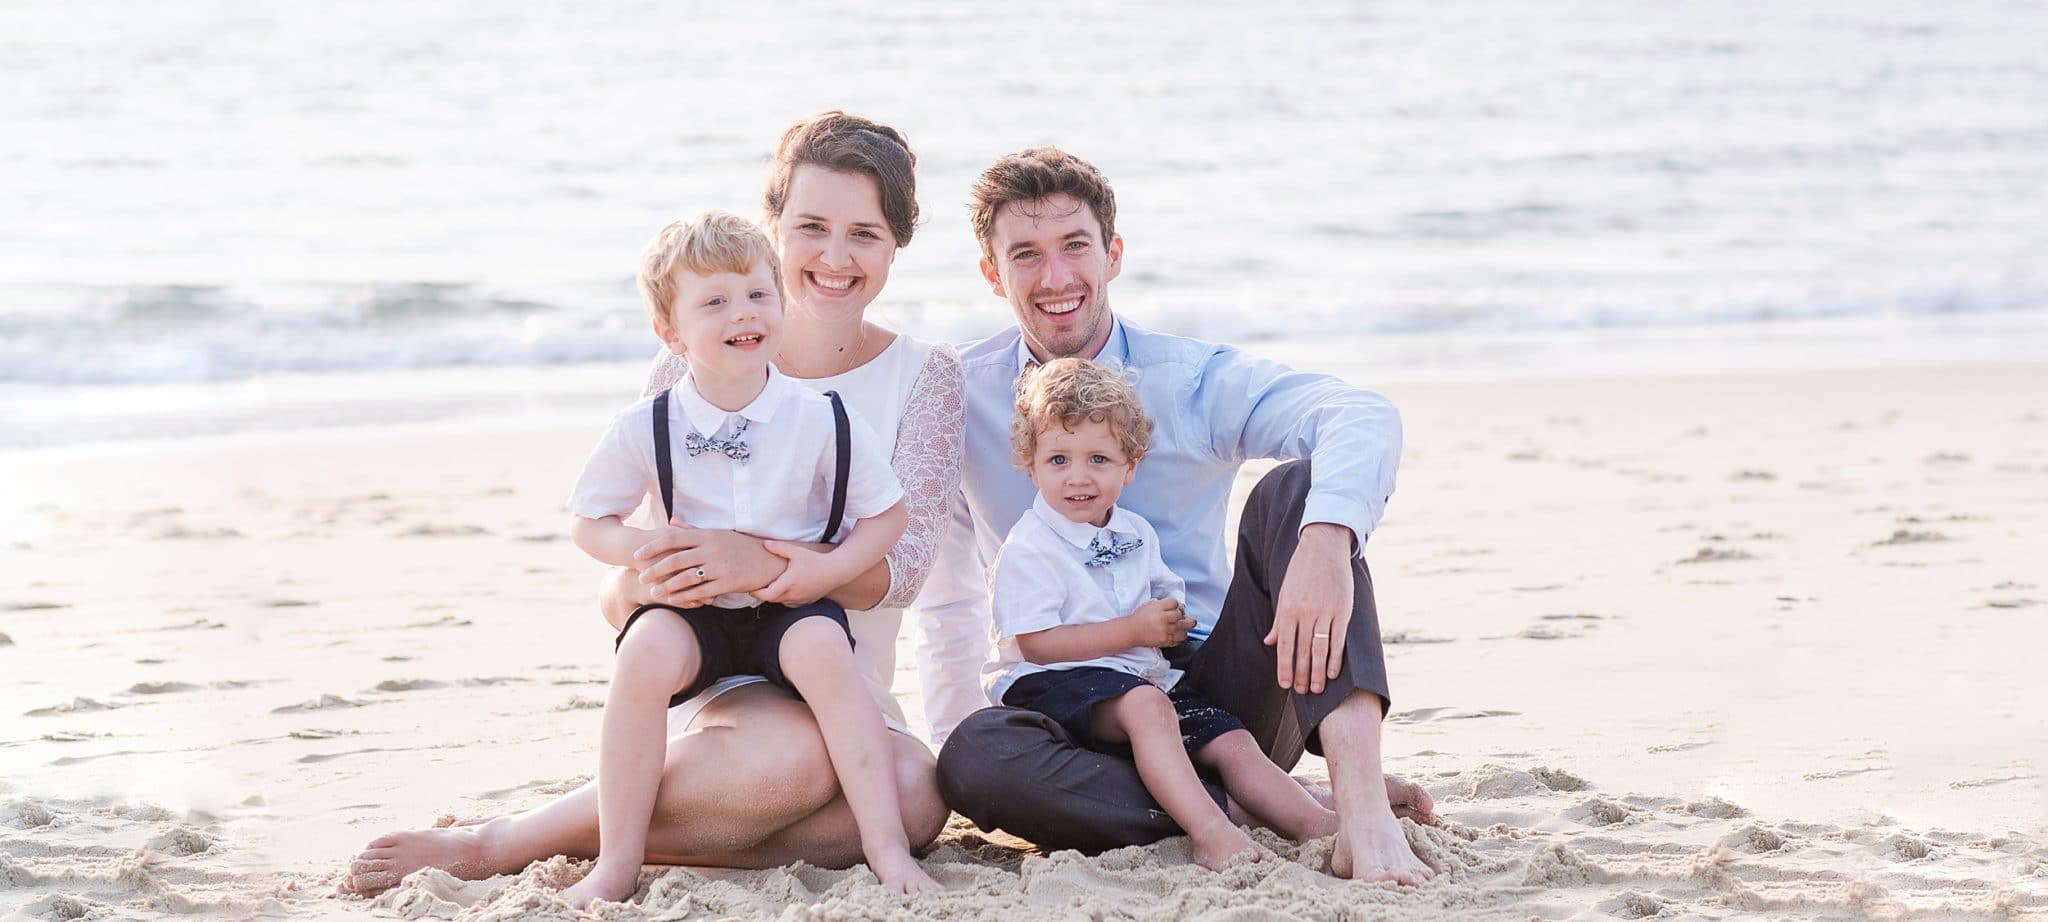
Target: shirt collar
{"type": "Point", "coordinates": [1116, 351]}
{"type": "Point", "coordinates": [708, 419]}
{"type": "Point", "coordinates": [1079, 534]}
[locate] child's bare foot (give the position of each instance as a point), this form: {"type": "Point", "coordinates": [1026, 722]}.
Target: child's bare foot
{"type": "Point", "coordinates": [1222, 845]}
{"type": "Point", "coordinates": [1320, 823]}
{"type": "Point", "coordinates": [463, 851]}
{"type": "Point", "coordinates": [612, 882]}
{"type": "Point", "coordinates": [901, 873]}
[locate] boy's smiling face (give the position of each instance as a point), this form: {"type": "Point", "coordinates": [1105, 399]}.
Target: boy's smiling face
{"type": "Point", "coordinates": [724, 324]}
{"type": "Point", "coordinates": [1081, 471]}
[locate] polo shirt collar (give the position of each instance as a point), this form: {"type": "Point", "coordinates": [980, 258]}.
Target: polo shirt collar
{"type": "Point", "coordinates": [708, 419]}
{"type": "Point", "coordinates": [1079, 534]}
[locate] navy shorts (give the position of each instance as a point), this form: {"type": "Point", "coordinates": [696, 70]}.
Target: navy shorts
{"type": "Point", "coordinates": [741, 641]}
{"type": "Point", "coordinates": [1069, 697]}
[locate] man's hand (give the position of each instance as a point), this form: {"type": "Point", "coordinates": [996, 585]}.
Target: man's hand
{"type": "Point", "coordinates": [1313, 610]}
{"type": "Point", "coordinates": [730, 561]}
{"type": "Point", "coordinates": [1160, 623]}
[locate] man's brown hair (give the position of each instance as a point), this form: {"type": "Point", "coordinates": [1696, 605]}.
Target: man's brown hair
{"type": "Point", "coordinates": [1035, 175]}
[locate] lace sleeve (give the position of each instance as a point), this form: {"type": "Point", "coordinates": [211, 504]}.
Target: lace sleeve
{"type": "Point", "coordinates": [668, 368]}
{"type": "Point", "coordinates": [927, 463]}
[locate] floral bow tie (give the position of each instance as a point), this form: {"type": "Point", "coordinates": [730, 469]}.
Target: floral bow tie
{"type": "Point", "coordinates": [1106, 554]}
{"type": "Point", "coordinates": [732, 446]}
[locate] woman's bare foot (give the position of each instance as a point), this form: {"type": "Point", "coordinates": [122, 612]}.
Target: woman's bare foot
{"type": "Point", "coordinates": [609, 881]}
{"type": "Point", "coordinates": [1410, 802]}
{"type": "Point", "coordinates": [1375, 848]}
{"type": "Point", "coordinates": [1222, 845]}
{"type": "Point", "coordinates": [460, 850]}
{"type": "Point", "coordinates": [901, 873]}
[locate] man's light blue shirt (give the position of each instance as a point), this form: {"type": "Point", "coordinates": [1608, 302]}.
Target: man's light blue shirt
{"type": "Point", "coordinates": [1212, 407]}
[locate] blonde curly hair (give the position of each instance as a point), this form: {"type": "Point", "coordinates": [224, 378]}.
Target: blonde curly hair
{"type": "Point", "coordinates": [1069, 392]}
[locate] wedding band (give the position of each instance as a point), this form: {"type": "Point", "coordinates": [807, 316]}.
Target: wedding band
{"type": "Point", "coordinates": [700, 575]}
{"type": "Point", "coordinates": [1320, 635]}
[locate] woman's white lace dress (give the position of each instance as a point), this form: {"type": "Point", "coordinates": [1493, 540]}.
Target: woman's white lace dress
{"type": "Point", "coordinates": [910, 395]}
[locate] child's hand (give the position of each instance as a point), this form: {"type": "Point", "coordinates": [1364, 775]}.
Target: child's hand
{"type": "Point", "coordinates": [1161, 623]}
{"type": "Point", "coordinates": [807, 578]}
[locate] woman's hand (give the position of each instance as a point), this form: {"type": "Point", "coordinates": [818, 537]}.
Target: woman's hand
{"type": "Point", "coordinates": [687, 567]}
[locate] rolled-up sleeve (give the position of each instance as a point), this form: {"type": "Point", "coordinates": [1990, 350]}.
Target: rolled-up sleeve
{"type": "Point", "coordinates": [1351, 437]}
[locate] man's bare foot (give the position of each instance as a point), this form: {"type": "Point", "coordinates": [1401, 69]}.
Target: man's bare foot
{"type": "Point", "coordinates": [901, 873]}
{"type": "Point", "coordinates": [1223, 845]}
{"type": "Point", "coordinates": [609, 881]}
{"type": "Point", "coordinates": [460, 850]}
{"type": "Point", "coordinates": [1374, 848]}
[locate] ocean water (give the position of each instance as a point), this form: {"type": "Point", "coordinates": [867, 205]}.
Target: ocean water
{"type": "Point", "coordinates": [201, 202]}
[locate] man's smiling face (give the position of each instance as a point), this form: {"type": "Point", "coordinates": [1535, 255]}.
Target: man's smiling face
{"type": "Point", "coordinates": [1050, 262]}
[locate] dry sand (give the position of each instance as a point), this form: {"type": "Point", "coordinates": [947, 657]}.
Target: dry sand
{"type": "Point", "coordinates": [1692, 646]}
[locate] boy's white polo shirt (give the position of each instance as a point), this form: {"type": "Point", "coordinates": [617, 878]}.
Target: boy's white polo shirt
{"type": "Point", "coordinates": [782, 492]}
{"type": "Point", "coordinates": [1040, 581]}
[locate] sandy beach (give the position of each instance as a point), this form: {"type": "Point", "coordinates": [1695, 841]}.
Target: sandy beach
{"type": "Point", "coordinates": [1712, 646]}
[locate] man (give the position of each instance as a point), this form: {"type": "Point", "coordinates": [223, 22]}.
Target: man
{"type": "Point", "coordinates": [1289, 642]}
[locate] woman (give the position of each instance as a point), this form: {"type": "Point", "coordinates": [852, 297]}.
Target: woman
{"type": "Point", "coordinates": [747, 782]}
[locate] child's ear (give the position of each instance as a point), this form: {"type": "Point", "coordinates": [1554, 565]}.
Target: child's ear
{"type": "Point", "coordinates": [667, 331]}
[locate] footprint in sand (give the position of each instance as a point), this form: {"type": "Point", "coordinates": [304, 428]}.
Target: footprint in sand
{"type": "Point", "coordinates": [322, 703]}
{"type": "Point", "coordinates": [1489, 782]}
{"type": "Point", "coordinates": [182, 533]}
{"type": "Point", "coordinates": [74, 706]}
{"type": "Point", "coordinates": [1765, 476]}
{"type": "Point", "coordinates": [6, 641]}
{"type": "Point", "coordinates": [35, 606]}
{"type": "Point", "coordinates": [1630, 904]}
{"type": "Point", "coordinates": [1906, 536]}
{"type": "Point", "coordinates": [1423, 715]}
{"type": "Point", "coordinates": [406, 685]}
{"type": "Point", "coordinates": [580, 703]}
{"type": "Point", "coordinates": [27, 814]}
{"type": "Point", "coordinates": [1718, 555]}
{"type": "Point", "coordinates": [2010, 603]}
{"type": "Point", "coordinates": [1599, 811]}
{"type": "Point", "coordinates": [1409, 637]}
{"type": "Point", "coordinates": [1713, 808]}
{"type": "Point", "coordinates": [1754, 839]}
{"type": "Point", "coordinates": [444, 531]}
{"type": "Point", "coordinates": [161, 688]}
{"type": "Point", "coordinates": [1905, 847]}
{"type": "Point", "coordinates": [181, 841]}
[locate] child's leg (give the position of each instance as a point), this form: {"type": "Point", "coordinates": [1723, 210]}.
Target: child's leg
{"type": "Point", "coordinates": [659, 656]}
{"type": "Point", "coordinates": [817, 659]}
{"type": "Point", "coordinates": [1261, 787]}
{"type": "Point", "coordinates": [1145, 717]}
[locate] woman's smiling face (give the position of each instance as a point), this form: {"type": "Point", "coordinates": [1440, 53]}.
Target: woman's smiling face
{"type": "Point", "coordinates": [836, 244]}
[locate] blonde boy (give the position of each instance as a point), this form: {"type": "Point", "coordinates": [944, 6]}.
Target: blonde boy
{"type": "Point", "coordinates": [735, 445]}
{"type": "Point", "coordinates": [1082, 604]}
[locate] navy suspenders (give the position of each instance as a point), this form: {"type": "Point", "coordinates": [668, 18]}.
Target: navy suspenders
{"type": "Point", "coordinates": [665, 469]}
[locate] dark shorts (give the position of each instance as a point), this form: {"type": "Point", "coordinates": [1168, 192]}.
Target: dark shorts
{"type": "Point", "coordinates": [740, 641]}
{"type": "Point", "coordinates": [1069, 697]}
